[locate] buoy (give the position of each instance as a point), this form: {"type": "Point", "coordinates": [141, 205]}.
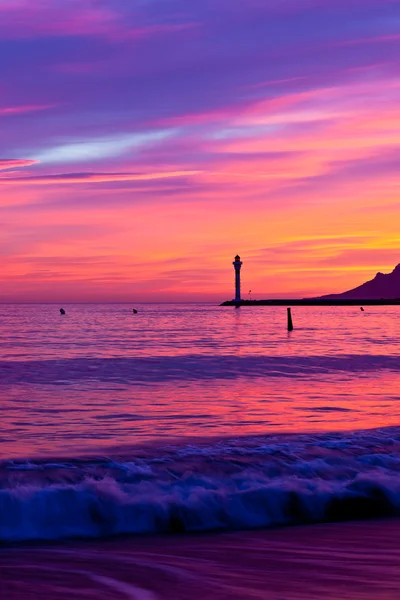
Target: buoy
{"type": "Point", "coordinates": [62, 311]}
{"type": "Point", "coordinates": [134, 311]}
{"type": "Point", "coordinates": [361, 308]}
{"type": "Point", "coordinates": [289, 320]}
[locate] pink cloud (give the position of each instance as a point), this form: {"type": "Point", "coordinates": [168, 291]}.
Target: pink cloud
{"type": "Point", "coordinates": [15, 163]}
{"type": "Point", "coordinates": [6, 111]}
{"type": "Point", "coordinates": [279, 130]}
{"type": "Point", "coordinates": [200, 118]}
{"type": "Point", "coordinates": [28, 19]}
{"type": "Point", "coordinates": [273, 82]}
{"type": "Point", "coordinates": [370, 40]}
{"type": "Point", "coordinates": [71, 178]}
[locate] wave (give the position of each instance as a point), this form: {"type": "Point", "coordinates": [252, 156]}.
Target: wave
{"type": "Point", "coordinates": [231, 484]}
{"type": "Point", "coordinates": [187, 367]}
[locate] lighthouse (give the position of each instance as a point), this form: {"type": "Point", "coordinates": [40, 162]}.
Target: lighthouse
{"type": "Point", "coordinates": [237, 264]}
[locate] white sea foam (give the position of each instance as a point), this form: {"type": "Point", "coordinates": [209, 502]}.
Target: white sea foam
{"type": "Point", "coordinates": [230, 484]}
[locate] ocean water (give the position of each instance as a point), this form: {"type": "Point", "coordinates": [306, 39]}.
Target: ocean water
{"type": "Point", "coordinates": [195, 417]}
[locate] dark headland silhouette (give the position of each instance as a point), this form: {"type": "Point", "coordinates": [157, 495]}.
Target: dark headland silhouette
{"type": "Point", "coordinates": [381, 286]}
{"type": "Point", "coordinates": [382, 289]}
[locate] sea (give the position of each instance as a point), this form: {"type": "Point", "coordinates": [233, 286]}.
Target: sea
{"type": "Point", "coordinates": [195, 418]}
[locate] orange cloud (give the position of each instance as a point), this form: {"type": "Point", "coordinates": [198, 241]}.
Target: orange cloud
{"type": "Point", "coordinates": [276, 181]}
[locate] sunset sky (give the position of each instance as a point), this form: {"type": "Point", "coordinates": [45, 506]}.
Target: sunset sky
{"type": "Point", "coordinates": [144, 143]}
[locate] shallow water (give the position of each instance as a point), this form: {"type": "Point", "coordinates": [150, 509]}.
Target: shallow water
{"type": "Point", "coordinates": [354, 561]}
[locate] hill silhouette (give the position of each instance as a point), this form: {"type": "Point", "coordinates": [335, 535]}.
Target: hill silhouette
{"type": "Point", "coordinates": [381, 286]}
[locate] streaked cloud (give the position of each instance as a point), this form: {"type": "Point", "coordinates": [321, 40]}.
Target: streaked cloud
{"type": "Point", "coordinates": [165, 137]}
{"type": "Point", "coordinates": [15, 163]}
{"type": "Point", "coordinates": [110, 19]}
{"type": "Point", "coordinates": [70, 178]}
{"type": "Point", "coordinates": [99, 148]}
{"type": "Point", "coordinates": [7, 111]}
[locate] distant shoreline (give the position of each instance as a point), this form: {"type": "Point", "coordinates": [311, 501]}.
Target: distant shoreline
{"type": "Point", "coordinates": [314, 302]}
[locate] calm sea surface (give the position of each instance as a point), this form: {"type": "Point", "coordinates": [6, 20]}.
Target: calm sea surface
{"type": "Point", "coordinates": [101, 377]}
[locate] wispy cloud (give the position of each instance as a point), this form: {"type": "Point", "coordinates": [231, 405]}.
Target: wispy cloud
{"type": "Point", "coordinates": [87, 150]}
{"type": "Point", "coordinates": [71, 178]}
{"type": "Point", "coordinates": [8, 111]}
{"type": "Point", "coordinates": [111, 20]}
{"type": "Point", "coordinates": [15, 163]}
{"type": "Point", "coordinates": [154, 131]}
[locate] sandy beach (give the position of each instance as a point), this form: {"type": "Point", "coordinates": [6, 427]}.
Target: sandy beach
{"type": "Point", "coordinates": [348, 561]}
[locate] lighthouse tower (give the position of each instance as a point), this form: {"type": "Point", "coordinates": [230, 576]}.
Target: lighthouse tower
{"type": "Point", "coordinates": [237, 266]}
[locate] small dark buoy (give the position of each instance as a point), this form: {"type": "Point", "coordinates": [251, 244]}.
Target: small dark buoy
{"type": "Point", "coordinates": [62, 311]}
{"type": "Point", "coordinates": [361, 308]}
{"type": "Point", "coordinates": [134, 311]}
{"type": "Point", "coordinates": [289, 320]}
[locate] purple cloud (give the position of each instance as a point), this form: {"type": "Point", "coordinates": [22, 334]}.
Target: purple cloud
{"type": "Point", "coordinates": [220, 107]}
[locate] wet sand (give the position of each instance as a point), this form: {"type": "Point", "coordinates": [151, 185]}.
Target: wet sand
{"type": "Point", "coordinates": [350, 561]}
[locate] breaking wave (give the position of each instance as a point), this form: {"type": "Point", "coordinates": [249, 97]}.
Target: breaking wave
{"type": "Point", "coordinates": [225, 485]}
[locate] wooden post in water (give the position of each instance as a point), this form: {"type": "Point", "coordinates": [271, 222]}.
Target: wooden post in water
{"type": "Point", "coordinates": [289, 320]}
